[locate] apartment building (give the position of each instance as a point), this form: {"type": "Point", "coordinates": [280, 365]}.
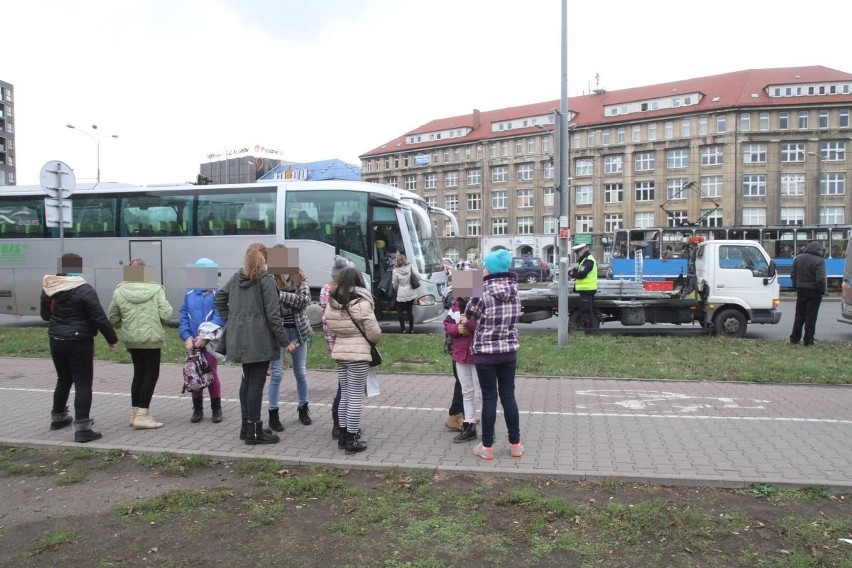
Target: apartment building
{"type": "Point", "coordinates": [755, 147]}
{"type": "Point", "coordinates": [7, 134]}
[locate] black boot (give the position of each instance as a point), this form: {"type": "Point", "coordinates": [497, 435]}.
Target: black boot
{"type": "Point", "coordinates": [255, 434]}
{"type": "Point", "coordinates": [216, 408]}
{"type": "Point", "coordinates": [304, 415]}
{"type": "Point", "coordinates": [353, 445]}
{"type": "Point", "coordinates": [197, 410]}
{"type": "Point", "coordinates": [243, 428]}
{"type": "Point", "coordinates": [468, 434]}
{"type": "Point", "coordinates": [83, 431]}
{"type": "Point", "coordinates": [60, 419]}
{"type": "Point", "coordinates": [274, 423]}
{"type": "Point", "coordinates": [335, 430]}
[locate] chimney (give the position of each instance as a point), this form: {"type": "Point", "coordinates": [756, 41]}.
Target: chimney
{"type": "Point", "coordinates": [476, 121]}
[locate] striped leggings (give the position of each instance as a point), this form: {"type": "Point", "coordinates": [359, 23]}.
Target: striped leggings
{"type": "Point", "coordinates": [352, 377]}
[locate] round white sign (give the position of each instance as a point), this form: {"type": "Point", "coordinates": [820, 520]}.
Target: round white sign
{"type": "Point", "coordinates": [57, 178]}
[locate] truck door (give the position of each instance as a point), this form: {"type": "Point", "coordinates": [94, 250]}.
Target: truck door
{"type": "Point", "coordinates": [740, 272]}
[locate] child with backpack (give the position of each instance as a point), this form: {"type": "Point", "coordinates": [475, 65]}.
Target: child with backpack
{"type": "Point", "coordinates": [462, 336]}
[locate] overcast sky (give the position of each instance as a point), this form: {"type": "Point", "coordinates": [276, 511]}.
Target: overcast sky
{"type": "Point", "coordinates": [180, 79]}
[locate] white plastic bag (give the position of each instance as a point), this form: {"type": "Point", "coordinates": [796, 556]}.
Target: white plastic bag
{"type": "Point", "coordinates": [372, 382]}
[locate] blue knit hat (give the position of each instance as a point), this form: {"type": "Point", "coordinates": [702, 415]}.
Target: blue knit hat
{"type": "Point", "coordinates": [206, 262]}
{"type": "Point", "coordinates": [498, 261]}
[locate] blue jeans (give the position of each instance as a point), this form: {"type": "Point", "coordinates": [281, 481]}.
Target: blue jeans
{"type": "Point", "coordinates": [499, 380]}
{"type": "Point", "coordinates": [300, 370]}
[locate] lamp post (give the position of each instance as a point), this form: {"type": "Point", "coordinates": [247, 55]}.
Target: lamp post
{"type": "Point", "coordinates": [96, 136]}
{"type": "Point", "coordinates": [564, 165]}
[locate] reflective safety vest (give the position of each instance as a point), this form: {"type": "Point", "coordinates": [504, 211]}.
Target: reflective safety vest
{"type": "Point", "coordinates": [590, 282]}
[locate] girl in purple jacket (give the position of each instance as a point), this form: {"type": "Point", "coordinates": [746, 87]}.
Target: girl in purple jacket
{"type": "Point", "coordinates": [462, 335]}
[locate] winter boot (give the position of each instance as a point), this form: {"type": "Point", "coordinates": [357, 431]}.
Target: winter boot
{"type": "Point", "coordinates": [197, 410]}
{"type": "Point", "coordinates": [353, 445]}
{"type": "Point", "coordinates": [60, 419]}
{"type": "Point", "coordinates": [133, 412]}
{"type": "Point", "coordinates": [144, 421]}
{"type": "Point", "coordinates": [274, 422]}
{"type": "Point", "coordinates": [216, 407]}
{"type": "Point", "coordinates": [456, 422]}
{"type": "Point", "coordinates": [255, 434]}
{"type": "Point", "coordinates": [243, 429]}
{"type": "Point", "coordinates": [304, 415]}
{"type": "Point", "coordinates": [468, 434]}
{"type": "Point", "coordinates": [83, 431]}
{"type": "Point", "coordinates": [335, 429]}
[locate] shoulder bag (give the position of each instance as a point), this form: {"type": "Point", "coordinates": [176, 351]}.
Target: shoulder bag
{"type": "Point", "coordinates": [376, 357]}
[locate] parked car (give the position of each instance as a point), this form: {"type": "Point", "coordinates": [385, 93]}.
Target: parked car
{"type": "Point", "coordinates": [531, 270]}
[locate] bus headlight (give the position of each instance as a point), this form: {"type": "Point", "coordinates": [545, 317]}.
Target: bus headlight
{"type": "Point", "coordinates": [427, 300]}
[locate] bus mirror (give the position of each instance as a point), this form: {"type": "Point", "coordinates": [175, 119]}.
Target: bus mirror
{"type": "Point", "coordinates": [772, 270]}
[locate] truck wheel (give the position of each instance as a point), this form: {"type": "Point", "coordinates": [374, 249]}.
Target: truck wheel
{"type": "Point", "coordinates": [576, 323]}
{"type": "Point", "coordinates": [730, 322]}
{"type": "Point", "coordinates": [531, 279]}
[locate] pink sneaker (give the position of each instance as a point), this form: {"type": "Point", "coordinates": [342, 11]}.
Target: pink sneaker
{"type": "Point", "coordinates": [517, 450]}
{"type": "Point", "coordinates": [483, 452]}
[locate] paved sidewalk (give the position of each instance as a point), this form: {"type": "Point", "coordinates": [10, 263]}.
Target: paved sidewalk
{"type": "Point", "coordinates": [668, 432]}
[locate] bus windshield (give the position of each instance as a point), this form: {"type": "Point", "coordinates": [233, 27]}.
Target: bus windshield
{"type": "Point", "coordinates": [425, 247]}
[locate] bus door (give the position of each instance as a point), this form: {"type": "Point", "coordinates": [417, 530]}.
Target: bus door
{"type": "Point", "coordinates": [351, 244]}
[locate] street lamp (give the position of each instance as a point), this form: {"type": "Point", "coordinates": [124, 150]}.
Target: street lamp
{"type": "Point", "coordinates": [96, 136]}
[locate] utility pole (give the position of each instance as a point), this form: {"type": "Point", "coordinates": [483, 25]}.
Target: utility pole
{"type": "Point", "coordinates": [564, 185]}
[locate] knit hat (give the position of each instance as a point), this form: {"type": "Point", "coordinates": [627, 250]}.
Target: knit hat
{"type": "Point", "coordinates": [206, 262]}
{"type": "Point", "coordinates": [498, 261]}
{"type": "Point", "coordinates": [339, 264]}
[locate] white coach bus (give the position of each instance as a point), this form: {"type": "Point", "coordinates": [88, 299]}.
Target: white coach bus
{"type": "Point", "coordinates": [169, 227]}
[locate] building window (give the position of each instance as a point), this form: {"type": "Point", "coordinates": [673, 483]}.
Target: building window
{"type": "Point", "coordinates": [583, 223]}
{"type": "Point", "coordinates": [548, 169]}
{"type": "Point", "coordinates": [637, 134]}
{"type": "Point", "coordinates": [613, 193]}
{"type": "Point", "coordinates": [474, 177]}
{"type": "Point", "coordinates": [474, 227]}
{"type": "Point", "coordinates": [499, 199]}
{"type": "Point", "coordinates": [754, 153]}
{"type": "Point", "coordinates": [499, 225]}
{"type": "Point", "coordinates": [549, 225]}
{"type": "Point", "coordinates": [612, 222]}
{"type": "Point", "coordinates": [832, 215]}
{"type": "Point", "coordinates": [519, 147]}
{"type": "Point", "coordinates": [614, 164]}
{"type": "Point", "coordinates": [652, 131]}
{"type": "Point", "coordinates": [432, 201]}
{"type": "Point", "coordinates": [792, 184]}
{"type": "Point", "coordinates": [721, 124]}
{"type": "Point", "coordinates": [803, 120]}
{"type": "Point", "coordinates": [452, 202]}
{"type": "Point", "coordinates": [832, 183]}
{"type": "Point", "coordinates": [431, 181]}
{"type": "Point", "coordinates": [530, 145]}
{"type": "Point", "coordinates": [783, 121]}
{"type": "Point", "coordinates": [675, 189]}
{"type": "Point", "coordinates": [620, 136]}
{"type": "Point", "coordinates": [525, 198]}
{"type": "Point", "coordinates": [745, 122]}
{"type": "Point", "coordinates": [712, 156]}
{"type": "Point", "coordinates": [452, 179]}
{"type": "Point", "coordinates": [605, 136]}
{"type": "Point", "coordinates": [792, 215]}
{"type": "Point", "coordinates": [492, 150]}
{"type": "Point", "coordinates": [643, 219]}
{"type": "Point", "coordinates": [467, 153]}
{"type": "Point", "coordinates": [832, 150]}
{"type": "Point", "coordinates": [583, 194]}
{"type": "Point", "coordinates": [545, 144]}
{"type": "Point", "coordinates": [525, 226]}
{"type": "Point", "coordinates": [793, 152]}
{"type": "Point", "coordinates": [712, 218]}
{"type": "Point", "coordinates": [525, 172]}
{"type": "Point", "coordinates": [668, 130]}
{"type": "Point", "coordinates": [711, 186]}
{"type": "Point", "coordinates": [754, 185]}
{"type": "Point", "coordinates": [843, 118]}
{"type": "Point", "coordinates": [390, 181]}
{"type": "Point", "coordinates": [643, 161]}
{"type": "Point", "coordinates": [676, 218]}
{"type": "Point", "coordinates": [584, 167]}
{"type": "Point", "coordinates": [474, 201]}
{"type": "Point", "coordinates": [411, 183]}
{"type": "Point", "coordinates": [549, 194]}
{"type": "Point", "coordinates": [499, 174]}
{"type": "Point", "coordinates": [754, 216]}
{"type": "Point", "coordinates": [763, 121]}
{"type": "Point", "coordinates": [823, 119]}
{"type": "Point", "coordinates": [446, 155]}
{"type": "Point", "coordinates": [448, 229]}
{"type": "Point", "coordinates": [703, 128]}
{"type": "Point", "coordinates": [677, 158]}
{"type": "Point", "coordinates": [590, 139]}
{"type": "Point", "coordinates": [644, 191]}
{"type": "Point", "coordinates": [504, 149]}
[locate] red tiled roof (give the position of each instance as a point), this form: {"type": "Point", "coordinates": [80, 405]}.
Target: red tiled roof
{"type": "Point", "coordinates": [734, 90]}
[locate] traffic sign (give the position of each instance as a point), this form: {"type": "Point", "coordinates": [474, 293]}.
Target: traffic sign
{"type": "Point", "coordinates": [51, 212]}
{"type": "Point", "coordinates": [57, 179]}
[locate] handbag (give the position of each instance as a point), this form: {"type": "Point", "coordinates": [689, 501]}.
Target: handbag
{"type": "Point", "coordinates": [375, 356]}
{"type": "Point", "coordinates": [414, 281]}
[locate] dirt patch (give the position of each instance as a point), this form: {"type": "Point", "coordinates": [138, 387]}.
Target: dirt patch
{"type": "Point", "coordinates": [87, 508]}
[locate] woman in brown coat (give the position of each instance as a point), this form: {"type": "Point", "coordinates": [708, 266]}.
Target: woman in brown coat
{"type": "Point", "coordinates": [352, 323]}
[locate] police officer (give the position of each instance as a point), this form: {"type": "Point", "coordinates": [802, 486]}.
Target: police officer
{"type": "Point", "coordinates": [586, 276]}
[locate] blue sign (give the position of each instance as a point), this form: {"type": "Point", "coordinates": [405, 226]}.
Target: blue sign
{"type": "Point", "coordinates": [421, 160]}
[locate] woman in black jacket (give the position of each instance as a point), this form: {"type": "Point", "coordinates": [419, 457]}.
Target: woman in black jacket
{"type": "Point", "coordinates": [75, 317]}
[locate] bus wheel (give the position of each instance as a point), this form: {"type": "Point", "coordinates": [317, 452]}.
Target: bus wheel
{"type": "Point", "coordinates": [730, 322]}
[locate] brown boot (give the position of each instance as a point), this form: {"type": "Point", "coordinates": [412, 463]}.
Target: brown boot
{"type": "Point", "coordinates": [456, 422]}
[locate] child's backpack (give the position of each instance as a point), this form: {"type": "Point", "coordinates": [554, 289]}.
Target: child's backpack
{"type": "Point", "coordinates": [196, 372]}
